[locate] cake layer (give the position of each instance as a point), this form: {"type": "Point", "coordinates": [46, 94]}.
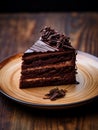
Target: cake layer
{"type": "Point", "coordinates": [41, 82]}
{"type": "Point", "coordinates": [48, 72]}
{"type": "Point", "coordinates": [41, 60]}
{"type": "Point", "coordinates": [57, 65]}
{"type": "Point", "coordinates": [34, 55]}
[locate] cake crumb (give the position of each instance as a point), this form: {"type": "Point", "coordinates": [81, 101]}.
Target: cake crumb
{"type": "Point", "coordinates": [55, 94]}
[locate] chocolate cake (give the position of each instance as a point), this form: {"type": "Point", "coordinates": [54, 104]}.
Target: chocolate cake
{"type": "Point", "coordinates": [50, 61]}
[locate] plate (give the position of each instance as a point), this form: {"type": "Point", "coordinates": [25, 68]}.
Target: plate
{"type": "Point", "coordinates": [85, 91]}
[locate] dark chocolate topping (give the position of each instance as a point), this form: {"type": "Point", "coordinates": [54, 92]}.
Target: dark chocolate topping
{"type": "Point", "coordinates": [55, 39]}
{"type": "Point", "coordinates": [55, 93]}
{"type": "Point", "coordinates": [50, 40]}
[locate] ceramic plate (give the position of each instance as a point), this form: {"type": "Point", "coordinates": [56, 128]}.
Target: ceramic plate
{"type": "Point", "coordinates": [85, 91]}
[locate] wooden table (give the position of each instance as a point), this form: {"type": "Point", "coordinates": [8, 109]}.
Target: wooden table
{"type": "Point", "coordinates": [17, 33]}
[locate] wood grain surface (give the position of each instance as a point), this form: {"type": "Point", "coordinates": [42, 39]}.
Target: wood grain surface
{"type": "Point", "coordinates": [17, 33]}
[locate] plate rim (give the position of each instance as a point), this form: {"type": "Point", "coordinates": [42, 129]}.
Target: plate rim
{"type": "Point", "coordinates": [47, 106]}
{"type": "Point", "coordinates": [50, 106]}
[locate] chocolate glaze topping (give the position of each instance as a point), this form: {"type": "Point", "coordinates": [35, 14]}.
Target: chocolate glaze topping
{"type": "Point", "coordinates": [40, 46]}
{"type": "Point", "coordinates": [50, 40]}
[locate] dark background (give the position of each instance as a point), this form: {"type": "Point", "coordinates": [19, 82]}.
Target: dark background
{"type": "Point", "coordinates": [12, 6]}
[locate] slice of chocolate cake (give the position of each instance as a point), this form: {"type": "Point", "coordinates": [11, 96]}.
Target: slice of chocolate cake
{"type": "Point", "coordinates": [50, 61]}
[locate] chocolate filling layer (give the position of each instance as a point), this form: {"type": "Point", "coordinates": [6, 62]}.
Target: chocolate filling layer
{"type": "Point", "coordinates": [48, 72]}
{"type": "Point", "coordinates": [39, 82]}
{"type": "Point", "coordinates": [43, 59]}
